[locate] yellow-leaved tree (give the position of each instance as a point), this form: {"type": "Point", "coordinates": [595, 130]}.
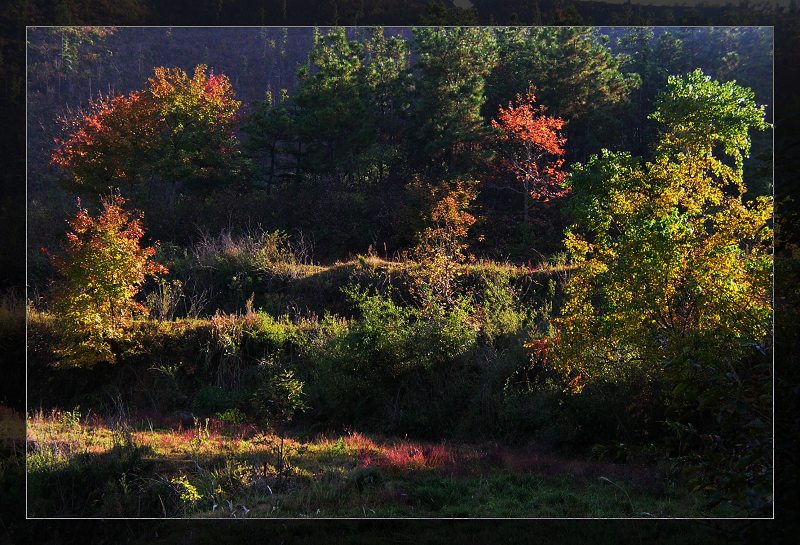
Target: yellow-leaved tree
{"type": "Point", "coordinates": [673, 280]}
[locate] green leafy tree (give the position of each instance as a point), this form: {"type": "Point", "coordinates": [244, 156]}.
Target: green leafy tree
{"type": "Point", "coordinates": [673, 275]}
{"type": "Point", "coordinates": [276, 400]}
{"type": "Point", "coordinates": [654, 55]}
{"type": "Point", "coordinates": [670, 248]}
{"type": "Point", "coordinates": [100, 273]}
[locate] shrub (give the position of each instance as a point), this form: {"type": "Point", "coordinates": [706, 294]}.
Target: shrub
{"type": "Point", "coordinates": [501, 314]}
{"type": "Point", "coordinates": [102, 271]}
{"type": "Point", "coordinates": [278, 396]}
{"type": "Point", "coordinates": [232, 417]}
{"type": "Point", "coordinates": [391, 351]}
{"type": "Point", "coordinates": [268, 333]}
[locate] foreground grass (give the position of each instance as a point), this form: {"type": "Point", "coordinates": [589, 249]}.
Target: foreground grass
{"type": "Point", "coordinates": [91, 467]}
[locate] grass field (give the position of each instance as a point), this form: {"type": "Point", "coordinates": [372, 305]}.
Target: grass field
{"type": "Point", "coordinates": [89, 466]}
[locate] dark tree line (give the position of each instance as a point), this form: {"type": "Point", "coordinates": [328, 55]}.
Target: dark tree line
{"type": "Point", "coordinates": [351, 116]}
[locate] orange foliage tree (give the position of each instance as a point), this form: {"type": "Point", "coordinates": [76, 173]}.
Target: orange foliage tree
{"type": "Point", "coordinates": [532, 148]}
{"type": "Point", "coordinates": [442, 244]}
{"type": "Point", "coordinates": [101, 271]}
{"type": "Point", "coordinates": [179, 128]}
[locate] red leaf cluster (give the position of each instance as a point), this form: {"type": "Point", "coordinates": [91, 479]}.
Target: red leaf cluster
{"type": "Point", "coordinates": [534, 147]}
{"type": "Point", "coordinates": [124, 138]}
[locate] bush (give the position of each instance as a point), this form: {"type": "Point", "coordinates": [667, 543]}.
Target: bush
{"type": "Point", "coordinates": [501, 314]}
{"type": "Point", "coordinates": [268, 333]}
{"type": "Point", "coordinates": [364, 368]}
{"type": "Point", "coordinates": [101, 273]}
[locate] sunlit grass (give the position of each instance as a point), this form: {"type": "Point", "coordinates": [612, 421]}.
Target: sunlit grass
{"type": "Point", "coordinates": [217, 469]}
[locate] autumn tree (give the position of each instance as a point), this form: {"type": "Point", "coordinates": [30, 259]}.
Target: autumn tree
{"type": "Point", "coordinates": [196, 124]}
{"type": "Point", "coordinates": [442, 245]}
{"type": "Point", "coordinates": [99, 274]}
{"type": "Point", "coordinates": [574, 73]}
{"type": "Point", "coordinates": [110, 144]}
{"type": "Point", "coordinates": [533, 149]}
{"type": "Point", "coordinates": [671, 248]}
{"type": "Point", "coordinates": [178, 129]}
{"type": "Point", "coordinates": [673, 278]}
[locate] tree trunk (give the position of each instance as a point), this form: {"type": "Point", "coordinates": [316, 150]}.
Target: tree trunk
{"type": "Point", "coordinates": [526, 204]}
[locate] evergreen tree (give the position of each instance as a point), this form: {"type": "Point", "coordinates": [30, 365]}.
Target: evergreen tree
{"type": "Point", "coordinates": [445, 123]}
{"type": "Point", "coordinates": [270, 129]}
{"type": "Point", "coordinates": [347, 103]}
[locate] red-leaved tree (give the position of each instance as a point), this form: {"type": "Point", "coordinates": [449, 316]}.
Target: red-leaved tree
{"type": "Point", "coordinates": [111, 143]}
{"type": "Point", "coordinates": [180, 128]}
{"type": "Point", "coordinates": [532, 149]}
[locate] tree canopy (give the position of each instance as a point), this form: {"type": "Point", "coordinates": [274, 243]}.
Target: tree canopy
{"type": "Point", "coordinates": [670, 254]}
{"type": "Point", "coordinates": [178, 129]}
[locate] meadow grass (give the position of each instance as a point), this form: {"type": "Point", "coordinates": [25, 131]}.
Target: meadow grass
{"type": "Point", "coordinates": [217, 469]}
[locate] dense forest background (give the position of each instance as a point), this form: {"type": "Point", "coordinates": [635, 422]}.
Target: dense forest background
{"type": "Point", "coordinates": [602, 82]}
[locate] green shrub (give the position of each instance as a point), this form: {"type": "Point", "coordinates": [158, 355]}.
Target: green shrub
{"type": "Point", "coordinates": [391, 353]}
{"type": "Point", "coordinates": [502, 315]}
{"type": "Point", "coordinates": [442, 333]}
{"type": "Point", "coordinates": [232, 416]}
{"type": "Point", "coordinates": [278, 396]}
{"type": "Point", "coordinates": [268, 333]}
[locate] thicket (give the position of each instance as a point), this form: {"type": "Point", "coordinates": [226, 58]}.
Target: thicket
{"type": "Point", "coordinates": [392, 365]}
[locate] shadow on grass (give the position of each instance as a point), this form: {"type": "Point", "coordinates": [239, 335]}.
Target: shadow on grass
{"type": "Point", "coordinates": [116, 483]}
